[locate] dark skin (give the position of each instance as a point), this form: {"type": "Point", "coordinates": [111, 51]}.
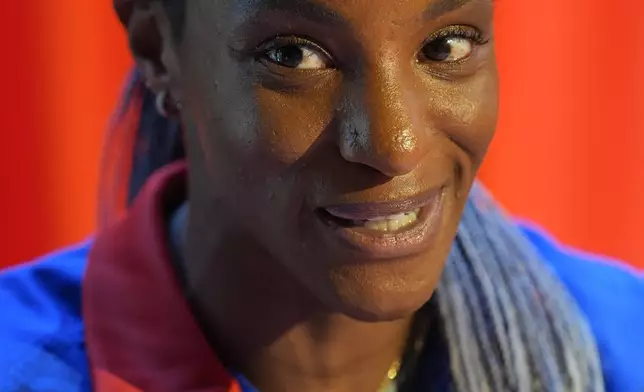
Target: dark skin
{"type": "Point", "coordinates": [293, 106]}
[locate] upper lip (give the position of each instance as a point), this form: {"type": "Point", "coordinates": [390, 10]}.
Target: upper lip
{"type": "Point", "coordinates": [365, 211]}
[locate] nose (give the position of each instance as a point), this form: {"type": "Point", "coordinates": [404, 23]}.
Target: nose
{"type": "Point", "coordinates": [383, 126]}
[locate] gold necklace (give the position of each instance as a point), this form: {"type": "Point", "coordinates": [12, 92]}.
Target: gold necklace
{"type": "Point", "coordinates": [389, 383]}
{"type": "Point", "coordinates": [419, 335]}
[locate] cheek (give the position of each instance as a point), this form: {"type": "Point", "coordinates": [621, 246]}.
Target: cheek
{"type": "Point", "coordinates": [467, 113]}
{"type": "Point", "coordinates": [263, 130]}
{"type": "Point", "coordinates": [291, 125]}
{"type": "Point", "coordinates": [255, 140]}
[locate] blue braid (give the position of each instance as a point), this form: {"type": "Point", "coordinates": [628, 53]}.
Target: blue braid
{"type": "Point", "coordinates": [510, 324]}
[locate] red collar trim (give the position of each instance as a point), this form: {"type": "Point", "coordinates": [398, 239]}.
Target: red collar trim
{"type": "Point", "coordinates": [140, 332]}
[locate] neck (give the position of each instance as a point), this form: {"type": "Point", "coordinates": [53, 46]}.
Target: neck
{"type": "Point", "coordinates": [268, 327]}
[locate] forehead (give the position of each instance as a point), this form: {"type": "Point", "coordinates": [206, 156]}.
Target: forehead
{"type": "Point", "coordinates": [354, 11]}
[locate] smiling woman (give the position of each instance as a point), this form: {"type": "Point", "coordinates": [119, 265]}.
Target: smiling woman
{"type": "Point", "coordinates": [289, 204]}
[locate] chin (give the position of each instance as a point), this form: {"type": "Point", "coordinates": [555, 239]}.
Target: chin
{"type": "Point", "coordinates": [368, 297]}
{"type": "Point", "coordinates": [395, 308]}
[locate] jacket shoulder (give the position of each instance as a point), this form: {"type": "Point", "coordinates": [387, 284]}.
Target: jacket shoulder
{"type": "Point", "coordinates": [41, 328]}
{"type": "Point", "coordinates": [611, 295]}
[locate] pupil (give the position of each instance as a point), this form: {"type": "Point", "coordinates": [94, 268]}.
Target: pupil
{"type": "Point", "coordinates": [289, 56]}
{"type": "Point", "coordinates": [437, 50]}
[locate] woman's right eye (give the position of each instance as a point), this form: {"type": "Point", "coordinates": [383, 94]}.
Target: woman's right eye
{"type": "Point", "coordinates": [296, 53]}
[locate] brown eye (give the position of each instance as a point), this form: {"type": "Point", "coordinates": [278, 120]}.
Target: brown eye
{"type": "Point", "coordinates": [298, 56]}
{"type": "Point", "coordinates": [448, 49]}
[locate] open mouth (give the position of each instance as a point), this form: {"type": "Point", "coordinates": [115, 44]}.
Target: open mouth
{"type": "Point", "coordinates": [384, 229]}
{"type": "Point", "coordinates": [385, 224]}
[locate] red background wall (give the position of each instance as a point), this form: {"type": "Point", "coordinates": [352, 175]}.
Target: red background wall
{"type": "Point", "coordinates": [569, 153]}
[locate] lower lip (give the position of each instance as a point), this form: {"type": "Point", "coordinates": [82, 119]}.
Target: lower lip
{"type": "Point", "coordinates": [375, 245]}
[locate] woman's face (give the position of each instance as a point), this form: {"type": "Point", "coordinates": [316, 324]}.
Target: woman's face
{"type": "Point", "coordinates": [341, 136]}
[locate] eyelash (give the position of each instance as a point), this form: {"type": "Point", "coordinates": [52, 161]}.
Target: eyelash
{"type": "Point", "coordinates": [287, 40]}
{"type": "Point", "coordinates": [460, 31]}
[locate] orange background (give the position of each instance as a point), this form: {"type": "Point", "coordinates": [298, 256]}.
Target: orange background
{"type": "Point", "coordinates": [569, 153]}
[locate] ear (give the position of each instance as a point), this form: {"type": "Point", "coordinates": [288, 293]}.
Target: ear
{"type": "Point", "coordinates": [152, 44]}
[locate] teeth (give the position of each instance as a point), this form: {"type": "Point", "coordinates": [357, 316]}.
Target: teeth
{"type": "Point", "coordinates": [391, 222]}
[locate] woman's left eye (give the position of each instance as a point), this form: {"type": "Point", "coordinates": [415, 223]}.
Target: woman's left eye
{"type": "Point", "coordinates": [298, 56]}
{"type": "Point", "coordinates": [453, 44]}
{"type": "Point", "coordinates": [448, 49]}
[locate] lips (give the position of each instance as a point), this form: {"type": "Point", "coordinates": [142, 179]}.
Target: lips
{"type": "Point", "coordinates": [370, 211]}
{"type": "Point", "coordinates": [385, 229]}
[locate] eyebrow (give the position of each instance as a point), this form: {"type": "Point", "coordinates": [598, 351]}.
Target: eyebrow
{"type": "Point", "coordinates": [438, 8]}
{"type": "Point", "coordinates": [309, 9]}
